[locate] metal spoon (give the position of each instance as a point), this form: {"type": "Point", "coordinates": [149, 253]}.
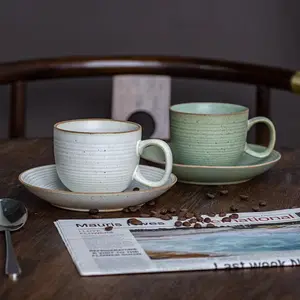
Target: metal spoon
{"type": "Point", "coordinates": [13, 216]}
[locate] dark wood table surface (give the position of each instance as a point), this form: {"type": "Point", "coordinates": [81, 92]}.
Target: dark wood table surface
{"type": "Point", "coordinates": [48, 270]}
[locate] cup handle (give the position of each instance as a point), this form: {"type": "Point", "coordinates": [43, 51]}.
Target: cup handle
{"type": "Point", "coordinates": [168, 158]}
{"type": "Point", "coordinates": [272, 141]}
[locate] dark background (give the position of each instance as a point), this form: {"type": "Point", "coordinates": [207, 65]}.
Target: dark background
{"type": "Point", "coordinates": [258, 31]}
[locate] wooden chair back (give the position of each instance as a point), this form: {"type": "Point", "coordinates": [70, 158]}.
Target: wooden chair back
{"type": "Point", "coordinates": [19, 73]}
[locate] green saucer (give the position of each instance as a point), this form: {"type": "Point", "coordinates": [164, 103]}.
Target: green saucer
{"type": "Point", "coordinates": [247, 168]}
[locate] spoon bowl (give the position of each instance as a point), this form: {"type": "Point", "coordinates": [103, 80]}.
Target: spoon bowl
{"type": "Point", "coordinates": [13, 216]}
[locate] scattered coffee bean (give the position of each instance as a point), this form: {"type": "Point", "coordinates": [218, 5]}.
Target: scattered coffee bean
{"type": "Point", "coordinates": [224, 192]}
{"type": "Point", "coordinates": [93, 211]}
{"type": "Point", "coordinates": [197, 225]}
{"type": "Point", "coordinates": [163, 211]}
{"type": "Point", "coordinates": [210, 195]}
{"type": "Point", "coordinates": [165, 217]}
{"type": "Point", "coordinates": [183, 210]}
{"type": "Point", "coordinates": [186, 224]}
{"type": "Point", "coordinates": [244, 197]}
{"type": "Point", "coordinates": [154, 213]}
{"type": "Point", "coordinates": [207, 220]}
{"type": "Point", "coordinates": [108, 228]}
{"type": "Point", "coordinates": [262, 203]}
{"type": "Point", "coordinates": [189, 215]}
{"type": "Point", "coordinates": [226, 219]}
{"type": "Point", "coordinates": [255, 208]}
{"type": "Point", "coordinates": [95, 216]}
{"type": "Point", "coordinates": [134, 221]}
{"type": "Point", "coordinates": [181, 218]}
{"type": "Point", "coordinates": [193, 220]}
{"type": "Point", "coordinates": [234, 216]}
{"type": "Point", "coordinates": [151, 203]}
{"type": "Point", "coordinates": [177, 223]}
{"type": "Point", "coordinates": [233, 208]}
{"type": "Point", "coordinates": [172, 210]}
{"type": "Point", "coordinates": [136, 189]}
{"type": "Point", "coordinates": [133, 208]}
{"type": "Point", "coordinates": [222, 214]}
{"type": "Point", "coordinates": [144, 215]}
{"type": "Point", "coordinates": [211, 214]}
{"type": "Point", "coordinates": [199, 219]}
{"type": "Point", "coordinates": [210, 225]}
{"type": "Point", "coordinates": [126, 210]}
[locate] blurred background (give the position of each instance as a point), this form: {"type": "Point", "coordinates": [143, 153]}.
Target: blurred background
{"type": "Point", "coordinates": [258, 31]}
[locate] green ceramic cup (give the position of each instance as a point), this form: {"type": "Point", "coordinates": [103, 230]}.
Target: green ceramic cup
{"type": "Point", "coordinates": [213, 134]}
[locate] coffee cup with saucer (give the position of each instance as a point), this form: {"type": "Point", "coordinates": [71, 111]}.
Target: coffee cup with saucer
{"type": "Point", "coordinates": [209, 146]}
{"type": "Point", "coordinates": [97, 166]}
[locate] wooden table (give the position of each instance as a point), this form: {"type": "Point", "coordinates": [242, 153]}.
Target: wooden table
{"type": "Point", "coordinates": [49, 273]}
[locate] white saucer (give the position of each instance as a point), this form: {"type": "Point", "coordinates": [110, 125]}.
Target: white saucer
{"type": "Point", "coordinates": [44, 182]}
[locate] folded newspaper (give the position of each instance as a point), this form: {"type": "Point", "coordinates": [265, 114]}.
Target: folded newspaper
{"type": "Point", "coordinates": [253, 240]}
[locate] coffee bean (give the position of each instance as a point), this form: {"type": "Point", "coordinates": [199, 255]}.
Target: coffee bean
{"type": "Point", "coordinates": [222, 214]}
{"type": "Point", "coordinates": [136, 189]}
{"type": "Point", "coordinates": [163, 211]}
{"type": "Point", "coordinates": [197, 225]}
{"type": "Point", "coordinates": [172, 210]}
{"type": "Point", "coordinates": [151, 203]}
{"type": "Point", "coordinates": [183, 210]}
{"type": "Point", "coordinates": [126, 210]}
{"type": "Point", "coordinates": [189, 215]}
{"type": "Point", "coordinates": [199, 219]}
{"type": "Point", "coordinates": [186, 224]}
{"type": "Point", "coordinates": [177, 223]}
{"type": "Point", "coordinates": [210, 225]}
{"type": "Point", "coordinates": [93, 211]}
{"type": "Point", "coordinates": [226, 219]}
{"type": "Point", "coordinates": [154, 213]}
{"type": "Point", "coordinates": [211, 214]}
{"type": "Point", "coordinates": [255, 208]}
{"type": "Point", "coordinates": [144, 215]}
{"type": "Point", "coordinates": [244, 197]}
{"type": "Point", "coordinates": [134, 221]}
{"type": "Point", "coordinates": [210, 195]}
{"type": "Point", "coordinates": [262, 203]}
{"type": "Point", "coordinates": [233, 208]}
{"type": "Point", "coordinates": [133, 208]}
{"type": "Point", "coordinates": [95, 216]}
{"type": "Point", "coordinates": [207, 220]}
{"type": "Point", "coordinates": [181, 218]}
{"type": "Point", "coordinates": [224, 192]}
{"type": "Point", "coordinates": [234, 216]}
{"type": "Point", "coordinates": [193, 220]}
{"type": "Point", "coordinates": [108, 228]}
{"type": "Point", "coordinates": [165, 217]}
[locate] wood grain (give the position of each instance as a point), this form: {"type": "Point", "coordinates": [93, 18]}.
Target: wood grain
{"type": "Point", "coordinates": [48, 270]}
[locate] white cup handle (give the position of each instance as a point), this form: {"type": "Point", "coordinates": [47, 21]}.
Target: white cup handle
{"type": "Point", "coordinates": [168, 158]}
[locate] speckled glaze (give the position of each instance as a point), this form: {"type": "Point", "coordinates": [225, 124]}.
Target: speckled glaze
{"type": "Point", "coordinates": [213, 134]}
{"type": "Point", "coordinates": [247, 168]}
{"type": "Point", "coordinates": [102, 155]}
{"type": "Point", "coordinates": [44, 182]}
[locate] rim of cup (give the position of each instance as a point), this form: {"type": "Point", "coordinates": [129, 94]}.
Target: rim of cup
{"type": "Point", "coordinates": [176, 109]}
{"type": "Point", "coordinates": [59, 124]}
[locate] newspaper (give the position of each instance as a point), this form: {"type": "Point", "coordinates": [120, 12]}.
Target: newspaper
{"type": "Point", "coordinates": [254, 240]}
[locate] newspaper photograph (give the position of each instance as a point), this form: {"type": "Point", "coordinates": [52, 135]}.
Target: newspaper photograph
{"type": "Point", "coordinates": [254, 240]}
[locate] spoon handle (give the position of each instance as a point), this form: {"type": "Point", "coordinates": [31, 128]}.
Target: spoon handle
{"type": "Point", "coordinates": [12, 268]}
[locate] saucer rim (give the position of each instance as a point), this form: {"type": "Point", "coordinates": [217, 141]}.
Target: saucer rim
{"type": "Point", "coordinates": [218, 167]}
{"type": "Point", "coordinates": [166, 187]}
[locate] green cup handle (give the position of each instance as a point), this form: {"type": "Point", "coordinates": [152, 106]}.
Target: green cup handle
{"type": "Point", "coordinates": [272, 141]}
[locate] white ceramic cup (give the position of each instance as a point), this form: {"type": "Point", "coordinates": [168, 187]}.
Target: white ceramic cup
{"type": "Point", "coordinates": [102, 155]}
